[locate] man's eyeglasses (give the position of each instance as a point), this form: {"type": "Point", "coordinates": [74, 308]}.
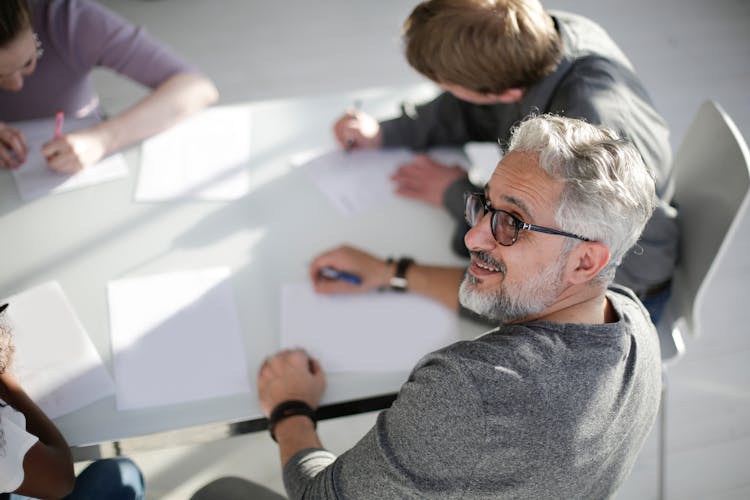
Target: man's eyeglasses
{"type": "Point", "coordinates": [504, 225]}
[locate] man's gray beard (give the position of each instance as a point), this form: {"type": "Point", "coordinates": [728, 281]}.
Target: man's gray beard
{"type": "Point", "coordinates": [529, 298]}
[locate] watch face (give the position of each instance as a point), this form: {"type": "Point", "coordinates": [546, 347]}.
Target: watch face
{"type": "Point", "coordinates": [398, 283]}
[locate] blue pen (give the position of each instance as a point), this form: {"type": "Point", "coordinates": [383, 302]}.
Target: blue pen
{"type": "Point", "coordinates": [334, 274]}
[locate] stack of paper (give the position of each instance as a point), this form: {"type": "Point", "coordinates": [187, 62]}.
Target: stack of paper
{"type": "Point", "coordinates": [35, 178]}
{"type": "Point", "coordinates": [176, 338]}
{"type": "Point", "coordinates": [375, 332]}
{"type": "Point", "coordinates": [204, 157]}
{"type": "Point", "coordinates": [55, 361]}
{"type": "Point", "coordinates": [484, 157]}
{"type": "Point", "coordinates": [354, 181]}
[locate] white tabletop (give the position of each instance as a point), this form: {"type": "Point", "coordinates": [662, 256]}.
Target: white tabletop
{"type": "Point", "coordinates": [85, 238]}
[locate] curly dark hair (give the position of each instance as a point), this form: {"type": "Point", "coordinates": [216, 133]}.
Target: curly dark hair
{"type": "Point", "coordinates": [6, 340]}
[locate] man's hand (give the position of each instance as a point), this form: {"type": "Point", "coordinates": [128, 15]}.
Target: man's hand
{"type": "Point", "coordinates": [373, 272]}
{"type": "Point", "coordinates": [425, 179]}
{"type": "Point", "coordinates": [290, 374]}
{"type": "Point", "coordinates": [72, 152]}
{"type": "Point", "coordinates": [358, 130]}
{"type": "Point", "coordinates": [13, 147]}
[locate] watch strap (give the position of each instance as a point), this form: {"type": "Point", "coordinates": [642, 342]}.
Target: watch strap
{"type": "Point", "coordinates": [287, 409]}
{"type": "Point", "coordinates": [398, 282]}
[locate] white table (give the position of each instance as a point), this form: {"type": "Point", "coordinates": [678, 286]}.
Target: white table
{"type": "Point", "coordinates": [85, 238]}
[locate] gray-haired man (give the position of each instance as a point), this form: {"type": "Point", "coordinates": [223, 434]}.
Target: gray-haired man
{"type": "Point", "coordinates": [556, 401]}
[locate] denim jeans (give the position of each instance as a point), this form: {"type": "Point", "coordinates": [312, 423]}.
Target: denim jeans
{"type": "Point", "coordinates": [656, 303]}
{"type": "Point", "coordinates": [114, 479]}
{"type": "Point", "coordinates": [109, 479]}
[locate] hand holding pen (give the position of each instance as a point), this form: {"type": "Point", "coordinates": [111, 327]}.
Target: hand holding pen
{"type": "Point", "coordinates": [357, 130]}
{"type": "Point", "coordinates": [330, 273]}
{"type": "Point", "coordinates": [347, 270]}
{"type": "Point", "coordinates": [13, 147]}
{"type": "Point", "coordinates": [71, 152]}
{"type": "Point", "coordinates": [59, 121]}
{"type": "Point", "coordinates": [350, 140]}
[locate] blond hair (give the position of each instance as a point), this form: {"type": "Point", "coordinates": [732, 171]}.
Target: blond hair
{"type": "Point", "coordinates": [487, 46]}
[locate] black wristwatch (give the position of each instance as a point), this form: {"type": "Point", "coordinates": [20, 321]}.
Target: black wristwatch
{"type": "Point", "coordinates": [290, 408]}
{"type": "Point", "coordinates": [398, 281]}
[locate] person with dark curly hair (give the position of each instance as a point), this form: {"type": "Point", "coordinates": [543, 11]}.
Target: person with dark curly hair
{"type": "Point", "coordinates": [35, 459]}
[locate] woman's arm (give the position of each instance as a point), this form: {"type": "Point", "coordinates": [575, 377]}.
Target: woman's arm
{"type": "Point", "coordinates": [172, 101]}
{"type": "Point", "coordinates": [48, 465]}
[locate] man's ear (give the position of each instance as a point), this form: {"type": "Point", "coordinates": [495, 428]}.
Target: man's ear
{"type": "Point", "coordinates": [586, 260]}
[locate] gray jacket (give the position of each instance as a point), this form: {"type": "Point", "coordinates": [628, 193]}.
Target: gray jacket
{"type": "Point", "coordinates": [595, 82]}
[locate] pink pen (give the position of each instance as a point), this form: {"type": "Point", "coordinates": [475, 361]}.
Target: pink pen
{"type": "Point", "coordinates": [59, 119]}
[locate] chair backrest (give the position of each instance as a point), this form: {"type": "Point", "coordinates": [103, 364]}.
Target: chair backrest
{"type": "Point", "coordinates": [711, 173]}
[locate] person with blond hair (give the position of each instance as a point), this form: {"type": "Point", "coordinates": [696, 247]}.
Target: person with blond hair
{"type": "Point", "coordinates": [499, 61]}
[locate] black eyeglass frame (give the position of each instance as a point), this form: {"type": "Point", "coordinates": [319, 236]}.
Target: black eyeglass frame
{"type": "Point", "coordinates": [518, 224]}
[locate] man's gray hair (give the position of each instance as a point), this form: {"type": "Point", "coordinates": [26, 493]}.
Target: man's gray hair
{"type": "Point", "coordinates": [609, 193]}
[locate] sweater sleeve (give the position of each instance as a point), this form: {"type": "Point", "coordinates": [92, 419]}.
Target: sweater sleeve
{"type": "Point", "coordinates": [92, 36]}
{"type": "Point", "coordinates": [449, 121]}
{"type": "Point", "coordinates": [425, 443]}
{"type": "Point", "coordinates": [441, 121]}
{"type": "Point", "coordinates": [307, 471]}
{"type": "Point", "coordinates": [602, 91]}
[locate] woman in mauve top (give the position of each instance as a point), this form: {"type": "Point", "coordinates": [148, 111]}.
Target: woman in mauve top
{"type": "Point", "coordinates": [48, 49]}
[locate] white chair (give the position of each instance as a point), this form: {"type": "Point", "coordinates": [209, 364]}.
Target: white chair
{"type": "Point", "coordinates": [711, 177]}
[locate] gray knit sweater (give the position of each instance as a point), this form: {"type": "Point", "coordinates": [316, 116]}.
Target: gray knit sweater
{"type": "Point", "coordinates": [534, 410]}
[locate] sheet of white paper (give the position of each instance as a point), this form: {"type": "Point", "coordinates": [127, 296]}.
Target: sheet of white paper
{"type": "Point", "coordinates": [377, 332]}
{"type": "Point", "coordinates": [55, 360]}
{"type": "Point", "coordinates": [35, 179]}
{"type": "Point", "coordinates": [484, 157]}
{"type": "Point", "coordinates": [204, 157]}
{"type": "Point", "coordinates": [176, 338]}
{"type": "Point", "coordinates": [359, 179]}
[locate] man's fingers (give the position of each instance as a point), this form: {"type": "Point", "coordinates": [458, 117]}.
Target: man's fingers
{"type": "Point", "coordinates": [314, 366]}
